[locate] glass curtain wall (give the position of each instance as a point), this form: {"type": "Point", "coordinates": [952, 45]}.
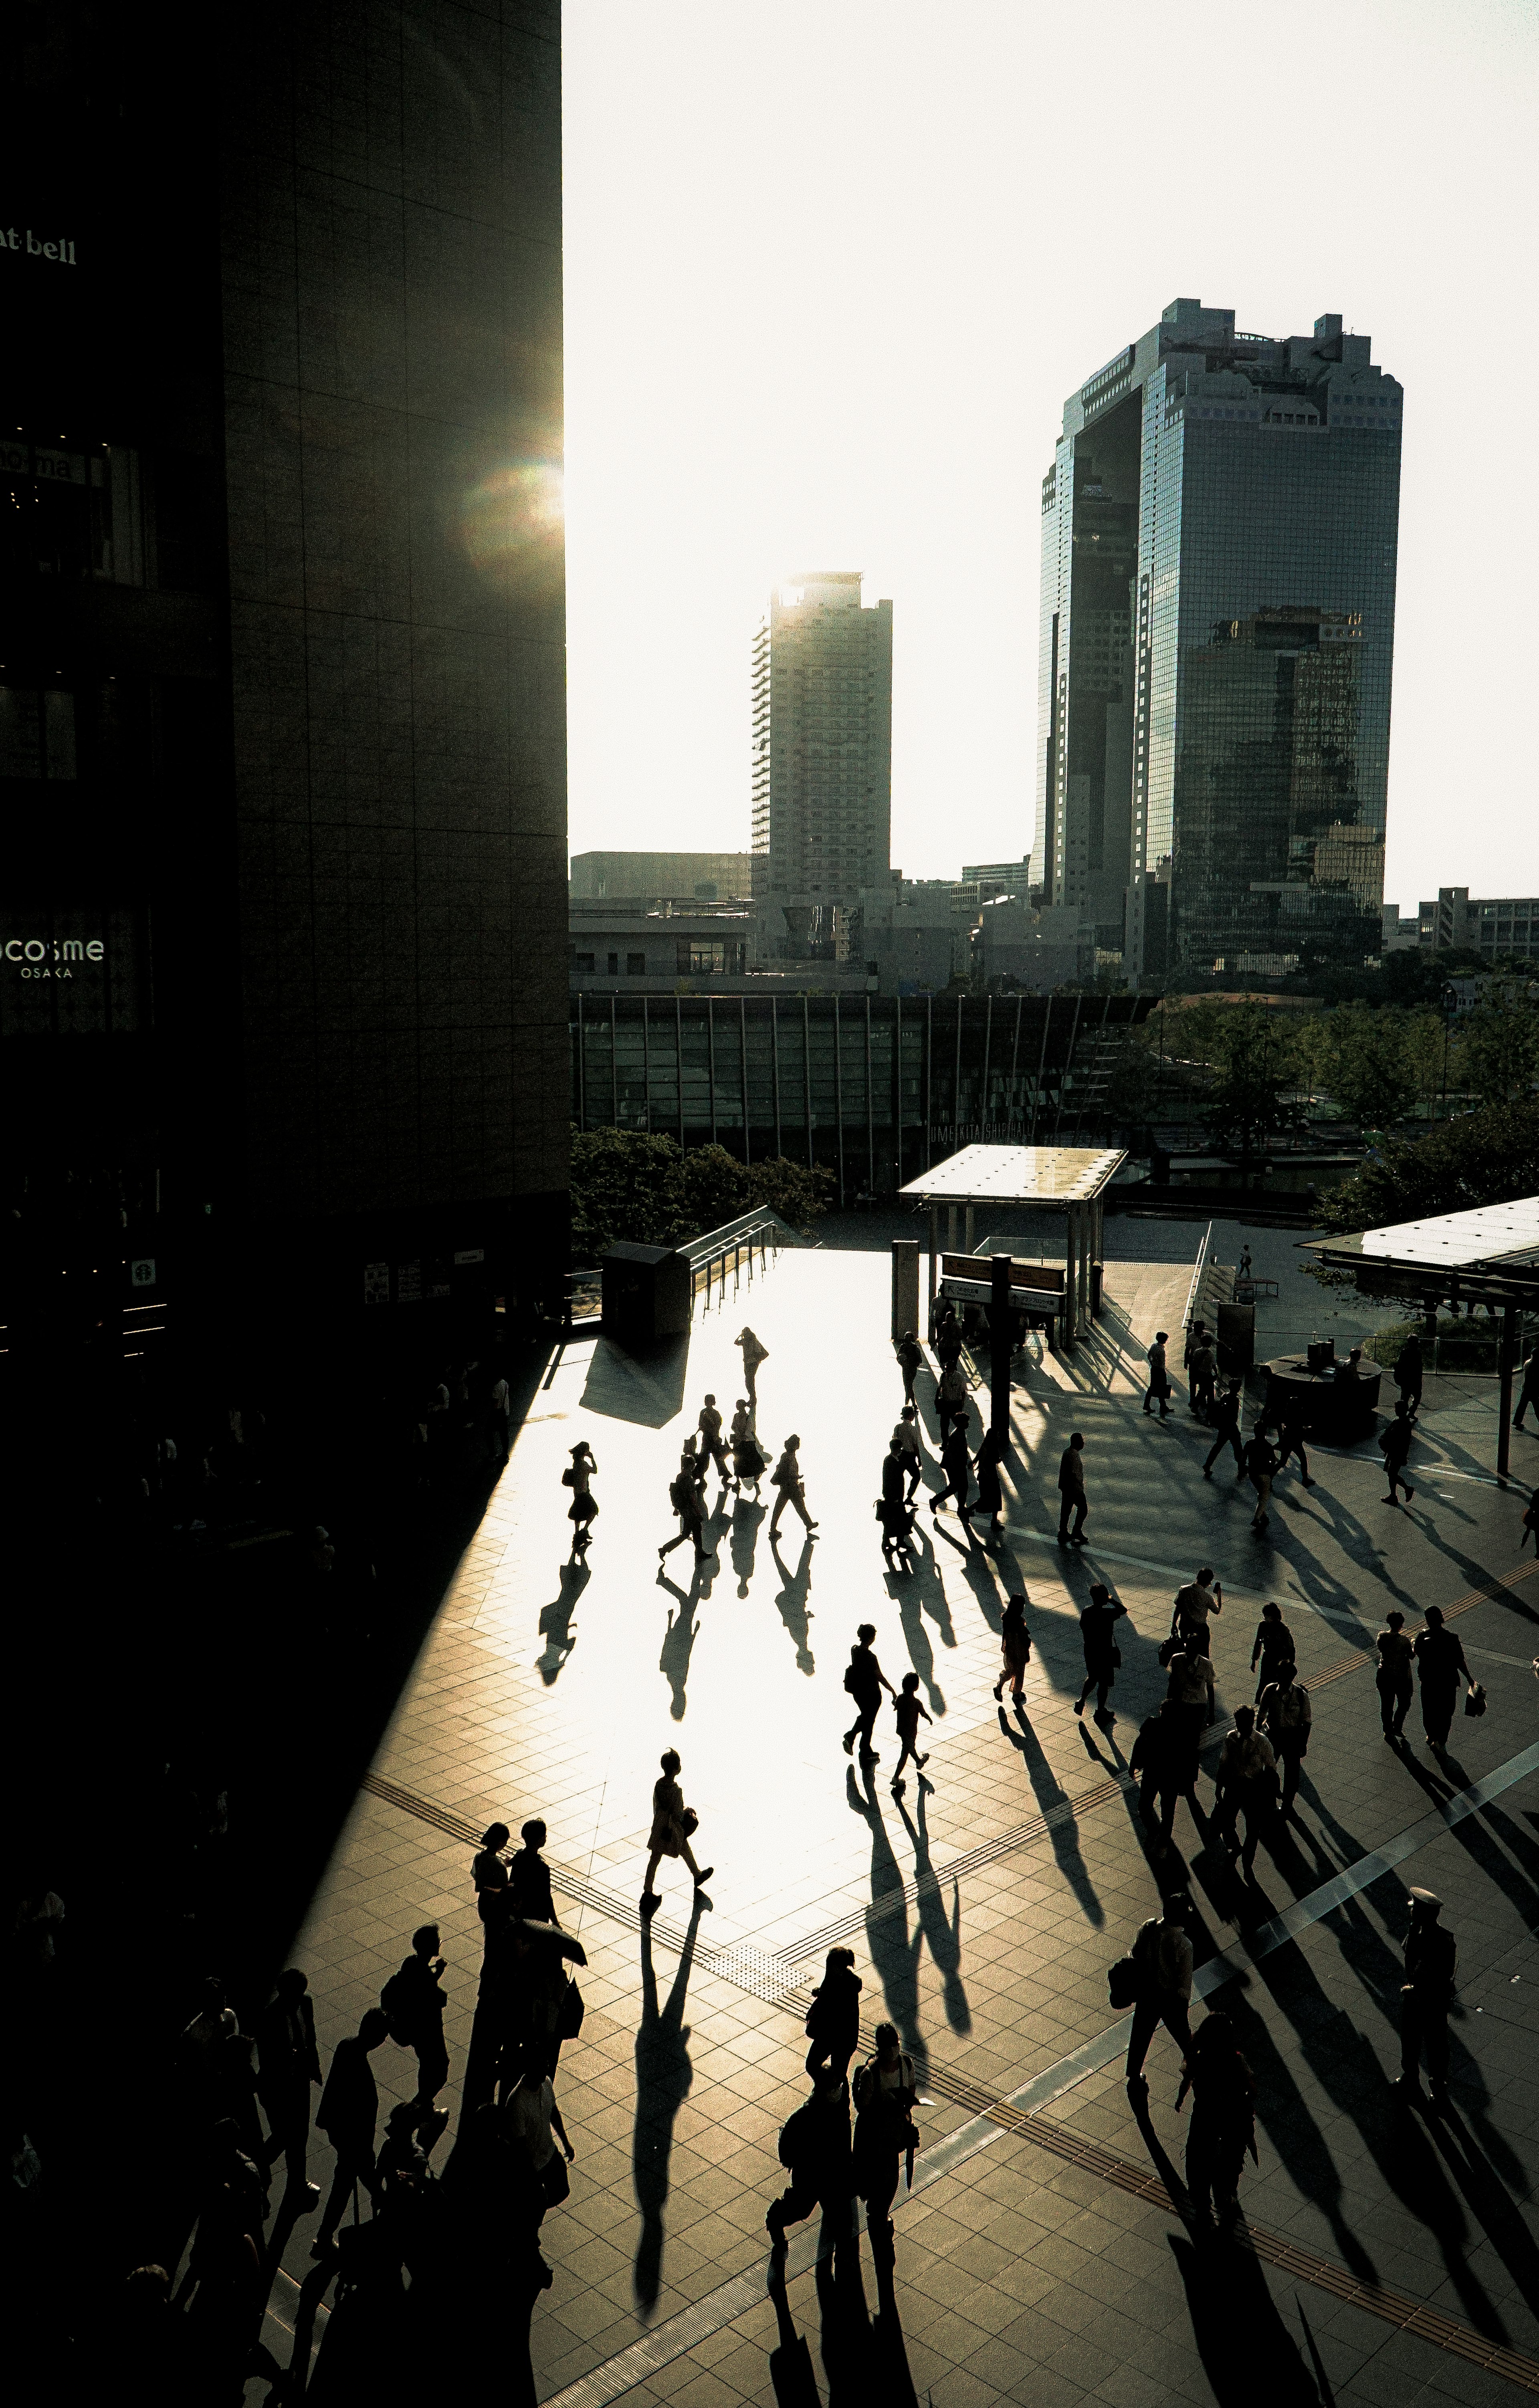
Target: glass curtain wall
{"type": "Point", "coordinates": [875, 1088]}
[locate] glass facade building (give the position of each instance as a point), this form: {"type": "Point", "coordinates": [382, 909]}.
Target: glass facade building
{"type": "Point", "coordinates": [1219, 533]}
{"type": "Point", "coordinates": [875, 1088]}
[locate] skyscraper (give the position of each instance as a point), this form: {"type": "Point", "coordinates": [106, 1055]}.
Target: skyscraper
{"type": "Point", "coordinates": [821, 758]}
{"type": "Point", "coordinates": [1219, 530]}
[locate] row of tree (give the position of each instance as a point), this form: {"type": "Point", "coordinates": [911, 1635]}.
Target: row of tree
{"type": "Point", "coordinates": [1249, 1069]}
{"type": "Point", "coordinates": [628, 1186]}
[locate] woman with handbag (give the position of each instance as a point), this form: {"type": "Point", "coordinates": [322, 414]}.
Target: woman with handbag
{"type": "Point", "coordinates": [748, 1459]}
{"type": "Point", "coordinates": [673, 1825]}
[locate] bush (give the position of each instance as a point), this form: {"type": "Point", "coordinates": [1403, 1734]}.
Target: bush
{"type": "Point", "coordinates": [1485, 1157]}
{"type": "Point", "coordinates": [628, 1186]}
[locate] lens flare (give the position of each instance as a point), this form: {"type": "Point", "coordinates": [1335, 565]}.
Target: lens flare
{"type": "Point", "coordinates": [513, 520]}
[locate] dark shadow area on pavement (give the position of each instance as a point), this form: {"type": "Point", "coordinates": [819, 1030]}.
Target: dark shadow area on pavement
{"type": "Point", "coordinates": [663, 2077]}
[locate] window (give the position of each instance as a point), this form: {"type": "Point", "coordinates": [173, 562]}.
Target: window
{"type": "Point", "coordinates": [614, 965]}
{"type": "Point", "coordinates": [582, 961]}
{"type": "Point", "coordinates": [700, 958]}
{"type": "Point", "coordinates": [636, 965]}
{"type": "Point", "coordinates": [37, 732]}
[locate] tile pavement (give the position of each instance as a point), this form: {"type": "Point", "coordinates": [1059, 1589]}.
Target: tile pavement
{"type": "Point", "coordinates": [547, 1689]}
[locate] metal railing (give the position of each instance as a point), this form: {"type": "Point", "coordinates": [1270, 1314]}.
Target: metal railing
{"type": "Point", "coordinates": [761, 1231]}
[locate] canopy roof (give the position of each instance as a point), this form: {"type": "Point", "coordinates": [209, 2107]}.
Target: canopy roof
{"type": "Point", "coordinates": [1492, 1251]}
{"type": "Point", "coordinates": [1016, 1174]}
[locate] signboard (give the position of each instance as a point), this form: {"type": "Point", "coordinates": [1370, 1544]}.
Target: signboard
{"type": "Point", "coordinates": [408, 1282]}
{"type": "Point", "coordinates": [376, 1283]}
{"type": "Point", "coordinates": [142, 1273]}
{"type": "Point", "coordinates": [470, 1255]}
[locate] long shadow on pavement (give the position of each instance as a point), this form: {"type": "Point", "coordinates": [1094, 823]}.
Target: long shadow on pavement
{"type": "Point", "coordinates": [663, 2077]}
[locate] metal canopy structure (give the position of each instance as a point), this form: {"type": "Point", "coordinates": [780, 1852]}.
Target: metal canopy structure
{"type": "Point", "coordinates": [1071, 1180]}
{"type": "Point", "coordinates": [1488, 1255]}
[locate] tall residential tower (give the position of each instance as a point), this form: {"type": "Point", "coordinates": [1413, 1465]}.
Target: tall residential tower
{"type": "Point", "coordinates": [1219, 532]}
{"type": "Point", "coordinates": [822, 759]}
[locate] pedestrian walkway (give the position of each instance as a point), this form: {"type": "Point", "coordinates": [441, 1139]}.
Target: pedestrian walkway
{"type": "Point", "coordinates": [985, 1910]}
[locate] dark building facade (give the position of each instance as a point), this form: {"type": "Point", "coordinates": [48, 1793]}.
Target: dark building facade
{"type": "Point", "coordinates": [1219, 539]}
{"type": "Point", "coordinates": [282, 670]}
{"type": "Point", "coordinates": [873, 1088]}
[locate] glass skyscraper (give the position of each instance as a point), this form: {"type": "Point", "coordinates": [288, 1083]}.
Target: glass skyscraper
{"type": "Point", "coordinates": [1219, 530]}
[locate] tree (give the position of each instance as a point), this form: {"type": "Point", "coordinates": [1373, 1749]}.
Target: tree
{"type": "Point", "coordinates": [1311, 1050]}
{"type": "Point", "coordinates": [798, 1191]}
{"type": "Point", "coordinates": [1497, 1048]}
{"type": "Point", "coordinates": [1371, 1079]}
{"type": "Point", "coordinates": [627, 1187]}
{"type": "Point", "coordinates": [1485, 1157]}
{"type": "Point", "coordinates": [1249, 1052]}
{"type": "Point", "coordinates": [1426, 1039]}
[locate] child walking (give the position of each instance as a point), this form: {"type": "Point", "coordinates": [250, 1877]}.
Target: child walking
{"type": "Point", "coordinates": [910, 1714]}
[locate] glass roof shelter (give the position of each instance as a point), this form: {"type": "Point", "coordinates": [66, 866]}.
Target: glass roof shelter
{"type": "Point", "coordinates": [1489, 1256]}
{"type": "Point", "coordinates": [1071, 1180]}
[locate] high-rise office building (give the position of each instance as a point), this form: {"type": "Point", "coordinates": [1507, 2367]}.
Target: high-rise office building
{"type": "Point", "coordinates": [1219, 532]}
{"type": "Point", "coordinates": [283, 980]}
{"type": "Point", "coordinates": [822, 759]}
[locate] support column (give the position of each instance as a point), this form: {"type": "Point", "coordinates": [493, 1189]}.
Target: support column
{"type": "Point", "coordinates": [1067, 1331]}
{"type": "Point", "coordinates": [934, 1263]}
{"type": "Point", "coordinates": [999, 1339]}
{"type": "Point", "coordinates": [972, 1230]}
{"type": "Point", "coordinates": [951, 1228]}
{"type": "Point", "coordinates": [1506, 1359]}
{"type": "Point", "coordinates": [905, 1286]}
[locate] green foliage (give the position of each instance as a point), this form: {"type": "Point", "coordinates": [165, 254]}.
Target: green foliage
{"type": "Point", "coordinates": [1485, 1157]}
{"type": "Point", "coordinates": [1370, 1076]}
{"type": "Point", "coordinates": [629, 1187]}
{"type": "Point", "coordinates": [1496, 1049]}
{"type": "Point", "coordinates": [1248, 1050]}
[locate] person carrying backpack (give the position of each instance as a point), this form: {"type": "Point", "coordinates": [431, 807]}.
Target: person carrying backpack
{"type": "Point", "coordinates": [683, 1495]}
{"type": "Point", "coordinates": [815, 2149]}
{"type": "Point", "coordinates": [1395, 1445]}
{"type": "Point", "coordinates": [885, 2095]}
{"type": "Point", "coordinates": [414, 2001]}
{"type": "Point", "coordinates": [833, 2020]}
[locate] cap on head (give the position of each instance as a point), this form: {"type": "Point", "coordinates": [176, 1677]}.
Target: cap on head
{"type": "Point", "coordinates": [1426, 1902]}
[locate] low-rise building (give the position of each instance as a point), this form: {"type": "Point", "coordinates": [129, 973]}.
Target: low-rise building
{"type": "Point", "coordinates": [642, 877]}
{"type": "Point", "coordinates": [1502, 924]}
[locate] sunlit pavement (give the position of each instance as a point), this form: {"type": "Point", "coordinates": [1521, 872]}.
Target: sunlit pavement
{"type": "Point", "coordinates": [551, 1688]}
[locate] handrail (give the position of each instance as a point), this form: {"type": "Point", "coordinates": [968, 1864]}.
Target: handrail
{"type": "Point", "coordinates": [732, 1233]}
{"type": "Point", "coordinates": [1198, 1269]}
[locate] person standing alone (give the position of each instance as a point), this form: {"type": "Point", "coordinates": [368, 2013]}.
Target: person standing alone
{"type": "Point", "coordinates": [1431, 1959]}
{"type": "Point", "coordinates": [1160, 1377]}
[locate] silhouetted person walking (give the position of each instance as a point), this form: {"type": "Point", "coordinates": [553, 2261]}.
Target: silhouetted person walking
{"type": "Point", "coordinates": [1530, 1389]}
{"type": "Point", "coordinates": [348, 2114]}
{"type": "Point", "coordinates": [673, 1825]}
{"type": "Point", "coordinates": [787, 1483]}
{"type": "Point", "coordinates": [1159, 1379]}
{"type": "Point", "coordinates": [711, 1448]}
{"type": "Point", "coordinates": [1431, 1961]}
{"type": "Point", "coordinates": [910, 1360]}
{"type": "Point", "coordinates": [1261, 1465]}
{"type": "Point", "coordinates": [864, 1680]}
{"type": "Point", "coordinates": [893, 1508]}
{"type": "Point", "coordinates": [909, 1715]}
{"type": "Point", "coordinates": [1395, 1446]}
{"type": "Point", "coordinates": [1285, 1714]}
{"type": "Point", "coordinates": [885, 2096]}
{"type": "Point", "coordinates": [906, 1438]}
{"type": "Point", "coordinates": [754, 1354]}
{"type": "Point", "coordinates": [289, 2062]}
{"type": "Point", "coordinates": [985, 1463]}
{"type": "Point", "coordinates": [1072, 1499]}
{"type": "Point", "coordinates": [833, 2019]}
{"type": "Point", "coordinates": [1015, 1647]}
{"type": "Point", "coordinates": [1162, 1955]}
{"type": "Point", "coordinates": [1165, 1763]}
{"type": "Point", "coordinates": [1290, 1441]}
{"type": "Point", "coordinates": [1273, 1648]}
{"type": "Point", "coordinates": [1408, 1372]}
{"type": "Point", "coordinates": [1223, 2123]}
{"type": "Point", "coordinates": [954, 1462]}
{"type": "Point", "coordinates": [1098, 1636]}
{"type": "Point", "coordinates": [815, 2149]}
{"type": "Point", "coordinates": [577, 1477]}
{"type": "Point", "coordinates": [1195, 1604]}
{"type": "Point", "coordinates": [1246, 1785]}
{"type": "Point", "coordinates": [683, 1495]}
{"type": "Point", "coordinates": [414, 2001]}
{"type": "Point", "coordinates": [1226, 1424]}
{"type": "Point", "coordinates": [1440, 1662]}
{"type": "Point", "coordinates": [1392, 1679]}
{"type": "Point", "coordinates": [530, 1877]}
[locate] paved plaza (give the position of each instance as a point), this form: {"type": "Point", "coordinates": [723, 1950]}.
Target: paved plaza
{"type": "Point", "coordinates": [1385, 2256]}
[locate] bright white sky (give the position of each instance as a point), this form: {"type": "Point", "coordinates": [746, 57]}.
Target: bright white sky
{"type": "Point", "coordinates": [832, 267]}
